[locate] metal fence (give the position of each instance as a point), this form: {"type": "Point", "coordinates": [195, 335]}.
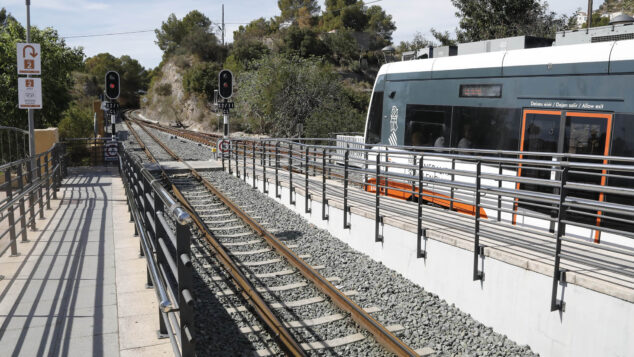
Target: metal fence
{"type": "Point", "coordinates": [26, 187]}
{"type": "Point", "coordinates": [14, 144]}
{"type": "Point", "coordinates": [575, 209]}
{"type": "Point", "coordinates": [164, 228]}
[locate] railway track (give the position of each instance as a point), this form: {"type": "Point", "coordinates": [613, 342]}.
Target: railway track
{"type": "Point", "coordinates": [303, 310]}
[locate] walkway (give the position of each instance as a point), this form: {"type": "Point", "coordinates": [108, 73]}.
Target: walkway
{"type": "Point", "coordinates": [78, 286]}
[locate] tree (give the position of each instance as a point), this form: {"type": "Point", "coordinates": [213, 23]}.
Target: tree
{"type": "Point", "coordinates": [418, 42]}
{"type": "Point", "coordinates": [597, 20]}
{"type": "Point", "coordinates": [58, 63]}
{"type": "Point", "coordinates": [343, 47]}
{"type": "Point", "coordinates": [292, 9]}
{"type": "Point", "coordinates": [304, 42]}
{"type": "Point", "coordinates": [202, 78]}
{"type": "Point", "coordinates": [380, 23]}
{"type": "Point", "coordinates": [490, 19]}
{"type": "Point", "coordinates": [193, 34]}
{"type": "Point", "coordinates": [280, 93]}
{"type": "Point", "coordinates": [443, 37]}
{"type": "Point", "coordinates": [133, 76]}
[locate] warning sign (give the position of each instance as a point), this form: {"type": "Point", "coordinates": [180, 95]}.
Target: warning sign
{"type": "Point", "coordinates": [224, 146]}
{"type": "Point", "coordinates": [111, 151]}
{"type": "Point", "coordinates": [29, 58]}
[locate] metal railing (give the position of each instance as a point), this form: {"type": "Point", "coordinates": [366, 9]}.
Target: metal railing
{"type": "Point", "coordinates": [164, 229]}
{"type": "Point", "coordinates": [14, 144]}
{"type": "Point", "coordinates": [26, 187]}
{"type": "Point", "coordinates": [575, 209]}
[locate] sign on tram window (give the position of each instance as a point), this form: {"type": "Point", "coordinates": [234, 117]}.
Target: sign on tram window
{"type": "Point", "coordinates": [481, 91]}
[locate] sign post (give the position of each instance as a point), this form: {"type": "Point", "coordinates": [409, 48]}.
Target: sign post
{"type": "Point", "coordinates": [29, 62]}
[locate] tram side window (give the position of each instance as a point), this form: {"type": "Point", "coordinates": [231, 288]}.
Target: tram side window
{"type": "Point", "coordinates": [486, 128]}
{"type": "Point", "coordinates": [427, 126]}
{"type": "Point", "coordinates": [622, 145]}
{"type": "Point", "coordinates": [375, 119]}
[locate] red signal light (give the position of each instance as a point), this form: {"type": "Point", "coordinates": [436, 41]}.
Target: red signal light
{"type": "Point", "coordinates": [112, 85]}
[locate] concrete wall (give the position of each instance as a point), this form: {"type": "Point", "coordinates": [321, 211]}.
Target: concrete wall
{"type": "Point", "coordinates": [512, 300]}
{"type": "Point", "coordinates": [45, 139]}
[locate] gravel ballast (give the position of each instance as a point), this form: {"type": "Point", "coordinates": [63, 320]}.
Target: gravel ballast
{"type": "Point", "coordinates": [428, 320]}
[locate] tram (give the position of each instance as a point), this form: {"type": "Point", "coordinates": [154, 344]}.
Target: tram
{"type": "Point", "coordinates": [573, 97]}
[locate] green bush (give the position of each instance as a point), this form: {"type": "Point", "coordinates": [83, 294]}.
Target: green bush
{"type": "Point", "coordinates": [77, 122]}
{"type": "Point", "coordinates": [202, 78]}
{"type": "Point", "coordinates": [164, 89]}
{"type": "Point", "coordinates": [278, 93]}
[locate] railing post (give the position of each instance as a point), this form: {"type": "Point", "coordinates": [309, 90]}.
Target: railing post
{"type": "Point", "coordinates": [236, 160]}
{"type": "Point", "coordinates": [222, 156]}
{"type": "Point", "coordinates": [253, 161]}
{"type": "Point", "coordinates": [7, 180]}
{"type": "Point", "coordinates": [277, 168]}
{"type": "Point", "coordinates": [291, 189]}
{"type": "Point", "coordinates": [54, 171]}
{"type": "Point", "coordinates": [263, 157]}
{"type": "Point", "coordinates": [39, 190]}
{"type": "Point", "coordinates": [500, 172]}
{"type": "Point", "coordinates": [307, 194]}
{"type": "Point", "coordinates": [477, 249]}
{"type": "Point", "coordinates": [420, 252]}
{"type": "Point", "coordinates": [244, 161]}
{"type": "Point", "coordinates": [377, 213]}
{"type": "Point", "coordinates": [48, 180]}
{"type": "Point", "coordinates": [231, 148]}
{"type": "Point", "coordinates": [23, 224]}
{"type": "Point", "coordinates": [556, 304]}
{"type": "Point", "coordinates": [185, 283]}
{"type": "Point", "coordinates": [453, 180]}
{"type": "Point", "coordinates": [346, 209]}
{"type": "Point", "coordinates": [32, 202]}
{"type": "Point", "coordinates": [324, 200]}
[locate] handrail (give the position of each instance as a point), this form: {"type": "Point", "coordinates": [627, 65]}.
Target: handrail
{"type": "Point", "coordinates": [28, 189]}
{"type": "Point", "coordinates": [483, 187]}
{"type": "Point", "coordinates": [166, 250]}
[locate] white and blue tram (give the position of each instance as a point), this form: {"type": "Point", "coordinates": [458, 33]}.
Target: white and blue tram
{"type": "Point", "coordinates": [560, 99]}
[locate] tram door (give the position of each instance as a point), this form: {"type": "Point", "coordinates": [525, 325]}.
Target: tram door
{"type": "Point", "coordinates": [570, 133]}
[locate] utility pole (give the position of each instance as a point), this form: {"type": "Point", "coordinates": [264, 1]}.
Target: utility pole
{"type": "Point", "coordinates": [223, 24]}
{"type": "Point", "coordinates": [30, 111]}
{"type": "Point", "coordinates": [589, 21]}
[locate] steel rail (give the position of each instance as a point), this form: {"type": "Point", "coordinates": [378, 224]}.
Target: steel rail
{"type": "Point", "coordinates": [382, 335]}
{"type": "Point", "coordinates": [247, 290]}
{"type": "Point", "coordinates": [358, 314]}
{"type": "Point", "coordinates": [140, 142]}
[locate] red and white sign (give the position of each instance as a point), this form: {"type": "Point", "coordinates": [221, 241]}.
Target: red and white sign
{"type": "Point", "coordinates": [29, 58]}
{"type": "Point", "coordinates": [224, 146]}
{"type": "Point", "coordinates": [30, 93]}
{"type": "Point", "coordinates": [111, 152]}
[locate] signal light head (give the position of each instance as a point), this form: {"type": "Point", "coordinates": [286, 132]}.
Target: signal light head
{"type": "Point", "coordinates": [225, 84]}
{"type": "Point", "coordinates": [112, 85]}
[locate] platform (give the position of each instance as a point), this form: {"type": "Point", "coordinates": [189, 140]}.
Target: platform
{"type": "Point", "coordinates": [77, 288]}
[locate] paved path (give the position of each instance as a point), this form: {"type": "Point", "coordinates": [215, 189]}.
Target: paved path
{"type": "Point", "coordinates": [77, 287]}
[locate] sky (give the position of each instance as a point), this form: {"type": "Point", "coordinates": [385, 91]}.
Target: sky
{"type": "Point", "coordinates": [84, 17]}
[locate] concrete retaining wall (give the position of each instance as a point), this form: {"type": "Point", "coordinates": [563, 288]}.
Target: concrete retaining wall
{"type": "Point", "coordinates": [512, 300]}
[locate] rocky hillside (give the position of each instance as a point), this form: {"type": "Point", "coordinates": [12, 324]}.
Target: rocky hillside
{"type": "Point", "coordinates": [167, 101]}
{"type": "Point", "coordinates": [611, 6]}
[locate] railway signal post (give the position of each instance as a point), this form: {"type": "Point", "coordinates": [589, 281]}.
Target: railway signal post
{"type": "Point", "coordinates": [225, 85]}
{"type": "Point", "coordinates": [112, 93]}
